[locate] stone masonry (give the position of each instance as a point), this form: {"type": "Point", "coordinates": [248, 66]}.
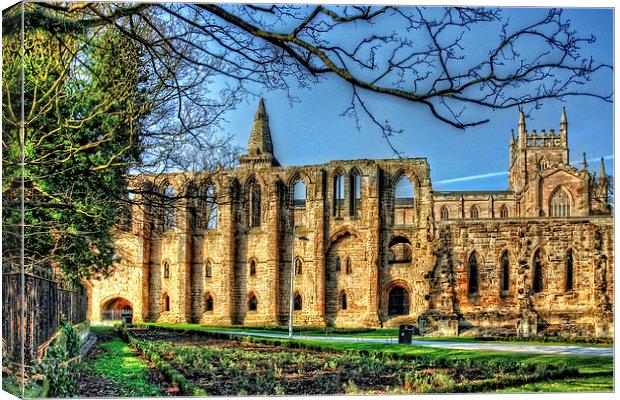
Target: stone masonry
{"type": "Point", "coordinates": [374, 245]}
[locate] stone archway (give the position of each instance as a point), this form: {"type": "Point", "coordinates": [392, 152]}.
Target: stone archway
{"type": "Point", "coordinates": [114, 309]}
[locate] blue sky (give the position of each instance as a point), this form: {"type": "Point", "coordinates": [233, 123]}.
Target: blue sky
{"type": "Point", "coordinates": [313, 131]}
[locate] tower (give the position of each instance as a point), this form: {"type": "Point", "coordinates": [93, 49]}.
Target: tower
{"type": "Point", "coordinates": [260, 145]}
{"type": "Point", "coordinates": [535, 152]}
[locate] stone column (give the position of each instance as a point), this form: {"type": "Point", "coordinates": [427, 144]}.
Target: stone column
{"type": "Point", "coordinates": [526, 318]}
{"type": "Point", "coordinates": [372, 211]}
{"type": "Point", "coordinates": [319, 205]}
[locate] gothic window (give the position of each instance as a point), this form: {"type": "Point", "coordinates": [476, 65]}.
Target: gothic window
{"type": "Point", "coordinates": [297, 303]}
{"type": "Point", "coordinates": [403, 192]}
{"type": "Point", "coordinates": [338, 194]}
{"type": "Point", "coordinates": [254, 204]}
{"type": "Point", "coordinates": [165, 302]}
{"type": "Point", "coordinates": [126, 217]}
{"type": "Point", "coordinates": [166, 268]}
{"type": "Point", "coordinates": [355, 192]}
{"type": "Point", "coordinates": [210, 207]}
{"type": "Point", "coordinates": [169, 195]}
{"type": "Point", "coordinates": [568, 283]}
{"type": "Point", "coordinates": [444, 213]}
{"type": "Point", "coordinates": [299, 193]}
{"type": "Point", "coordinates": [560, 204]}
{"type": "Point", "coordinates": [208, 269]}
{"type": "Point", "coordinates": [400, 250]}
{"type": "Point", "coordinates": [505, 271]}
{"type": "Point", "coordinates": [252, 302]}
{"type": "Point", "coordinates": [298, 266]}
{"type": "Point", "coordinates": [398, 301]}
{"type": "Point", "coordinates": [252, 267]}
{"type": "Point", "coordinates": [209, 303]}
{"type": "Point", "coordinates": [338, 266]}
{"type": "Point", "coordinates": [503, 212]}
{"type": "Point", "coordinates": [348, 267]}
{"type": "Point", "coordinates": [537, 278]}
{"type": "Point", "coordinates": [472, 281]}
{"type": "Point", "coordinates": [543, 165]}
{"type": "Point", "coordinates": [474, 212]}
{"type": "Point", "coordinates": [343, 301]}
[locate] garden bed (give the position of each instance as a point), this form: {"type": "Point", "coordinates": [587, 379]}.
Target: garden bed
{"type": "Point", "coordinates": [199, 362]}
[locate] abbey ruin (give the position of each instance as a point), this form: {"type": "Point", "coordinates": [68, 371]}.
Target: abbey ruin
{"type": "Point", "coordinates": [372, 244]}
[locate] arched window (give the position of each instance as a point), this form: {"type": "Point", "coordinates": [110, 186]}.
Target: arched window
{"type": "Point", "coordinates": [165, 302]}
{"type": "Point", "coordinates": [444, 213]}
{"type": "Point", "coordinates": [348, 267]}
{"type": "Point", "coordinates": [472, 282]}
{"type": "Point", "coordinates": [398, 301]}
{"type": "Point", "coordinates": [355, 192]}
{"type": "Point", "coordinates": [343, 301]}
{"type": "Point", "coordinates": [560, 204]}
{"type": "Point", "coordinates": [537, 278]}
{"type": "Point", "coordinates": [400, 250]}
{"type": "Point", "coordinates": [252, 302]}
{"type": "Point", "coordinates": [166, 268]}
{"type": "Point", "coordinates": [299, 193]}
{"type": "Point", "coordinates": [338, 266]}
{"type": "Point", "coordinates": [338, 194]}
{"type": "Point", "coordinates": [208, 269]}
{"type": "Point", "coordinates": [211, 209]}
{"type": "Point", "coordinates": [297, 303]}
{"type": "Point", "coordinates": [505, 271]}
{"type": "Point", "coordinates": [503, 212]}
{"type": "Point", "coordinates": [403, 192]}
{"type": "Point", "coordinates": [474, 212]}
{"type": "Point", "coordinates": [568, 277]}
{"type": "Point", "coordinates": [126, 217]}
{"type": "Point", "coordinates": [298, 266]}
{"type": "Point", "coordinates": [209, 303]}
{"type": "Point", "coordinates": [254, 204]}
{"type": "Point", "coordinates": [169, 195]}
{"type": "Point", "coordinates": [543, 164]}
{"type": "Point", "coordinates": [252, 267]}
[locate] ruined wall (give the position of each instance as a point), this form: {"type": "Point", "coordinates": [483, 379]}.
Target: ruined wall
{"type": "Point", "coordinates": [556, 309]}
{"type": "Point", "coordinates": [393, 245]}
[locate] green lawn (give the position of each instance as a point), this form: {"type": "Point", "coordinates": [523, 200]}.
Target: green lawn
{"type": "Point", "coordinates": [121, 364]}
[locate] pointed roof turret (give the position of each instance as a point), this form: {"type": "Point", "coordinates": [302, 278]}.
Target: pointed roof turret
{"type": "Point", "coordinates": [260, 145]}
{"type": "Point", "coordinates": [563, 120]}
{"type": "Point", "coordinates": [584, 163]}
{"type": "Point", "coordinates": [512, 137]}
{"type": "Point", "coordinates": [602, 175]}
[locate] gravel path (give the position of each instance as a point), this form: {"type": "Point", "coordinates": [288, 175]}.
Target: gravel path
{"type": "Point", "coordinates": [516, 347]}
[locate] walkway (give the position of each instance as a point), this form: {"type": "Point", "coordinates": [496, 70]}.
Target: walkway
{"type": "Point", "coordinates": [509, 347]}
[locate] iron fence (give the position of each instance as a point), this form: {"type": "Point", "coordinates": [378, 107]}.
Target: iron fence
{"type": "Point", "coordinates": [44, 304]}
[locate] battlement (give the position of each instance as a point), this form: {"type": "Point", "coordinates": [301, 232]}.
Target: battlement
{"type": "Point", "coordinates": [544, 139]}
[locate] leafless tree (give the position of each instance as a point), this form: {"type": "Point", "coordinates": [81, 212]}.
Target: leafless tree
{"type": "Point", "coordinates": [431, 57]}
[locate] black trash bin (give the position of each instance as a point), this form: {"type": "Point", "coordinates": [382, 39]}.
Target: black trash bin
{"type": "Point", "coordinates": [405, 332]}
{"type": "Point", "coordinates": [126, 318]}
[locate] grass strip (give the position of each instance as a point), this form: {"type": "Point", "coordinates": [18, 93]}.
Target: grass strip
{"type": "Point", "coordinates": [175, 377]}
{"type": "Point", "coordinates": [121, 365]}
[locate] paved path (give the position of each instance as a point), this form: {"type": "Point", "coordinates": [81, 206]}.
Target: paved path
{"type": "Point", "coordinates": [511, 348]}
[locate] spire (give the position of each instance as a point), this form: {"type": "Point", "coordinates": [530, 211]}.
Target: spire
{"type": "Point", "coordinates": [584, 163]}
{"type": "Point", "coordinates": [564, 127]}
{"type": "Point", "coordinates": [521, 121]}
{"type": "Point", "coordinates": [260, 146]}
{"type": "Point", "coordinates": [512, 137]}
{"type": "Point", "coordinates": [602, 175]}
{"type": "Point", "coordinates": [563, 121]}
